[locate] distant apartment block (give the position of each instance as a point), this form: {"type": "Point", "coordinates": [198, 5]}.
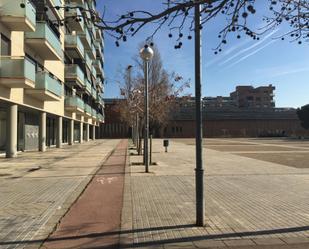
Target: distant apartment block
{"type": "Point", "coordinates": [51, 74]}
{"type": "Point", "coordinates": [250, 97]}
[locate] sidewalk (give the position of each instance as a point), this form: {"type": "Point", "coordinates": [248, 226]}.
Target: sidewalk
{"type": "Point", "coordinates": [94, 220]}
{"type": "Point", "coordinates": [249, 203]}
{"type": "Point", "coordinates": [37, 189]}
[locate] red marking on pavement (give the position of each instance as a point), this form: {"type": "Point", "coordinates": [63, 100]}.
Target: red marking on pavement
{"type": "Point", "coordinates": [94, 219]}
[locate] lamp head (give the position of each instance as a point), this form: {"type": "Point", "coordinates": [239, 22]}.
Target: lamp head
{"type": "Point", "coordinates": [146, 53]}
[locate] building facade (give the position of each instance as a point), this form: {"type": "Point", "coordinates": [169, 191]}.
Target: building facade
{"type": "Point", "coordinates": [250, 97]}
{"type": "Point", "coordinates": [114, 127]}
{"type": "Point", "coordinates": [51, 74]}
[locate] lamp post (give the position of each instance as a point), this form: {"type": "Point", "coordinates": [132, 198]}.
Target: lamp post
{"type": "Point", "coordinates": [199, 171]}
{"type": "Point", "coordinates": [146, 53]}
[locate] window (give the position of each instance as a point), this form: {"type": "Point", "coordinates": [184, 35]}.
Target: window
{"type": "Point", "coordinates": [5, 46]}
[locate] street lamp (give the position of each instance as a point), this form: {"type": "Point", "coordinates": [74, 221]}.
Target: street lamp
{"type": "Point", "coordinates": [146, 53]}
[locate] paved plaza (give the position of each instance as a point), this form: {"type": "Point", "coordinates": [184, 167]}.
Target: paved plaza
{"type": "Point", "coordinates": [36, 189]}
{"type": "Point", "coordinates": [256, 193]}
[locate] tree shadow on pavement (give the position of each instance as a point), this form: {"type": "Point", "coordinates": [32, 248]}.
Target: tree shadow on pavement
{"type": "Point", "coordinates": [160, 242]}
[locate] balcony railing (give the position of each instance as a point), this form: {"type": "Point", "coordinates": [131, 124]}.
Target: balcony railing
{"type": "Point", "coordinates": [88, 109]}
{"type": "Point", "coordinates": [74, 103]}
{"type": "Point", "coordinates": [60, 11]}
{"type": "Point", "coordinates": [16, 72]}
{"type": "Point", "coordinates": [73, 42]}
{"type": "Point", "coordinates": [45, 82]}
{"type": "Point", "coordinates": [17, 18]}
{"type": "Point", "coordinates": [88, 86]}
{"type": "Point", "coordinates": [74, 72]}
{"type": "Point", "coordinates": [98, 48]}
{"type": "Point", "coordinates": [94, 72]}
{"type": "Point", "coordinates": [85, 37]}
{"type": "Point", "coordinates": [45, 42]}
{"type": "Point", "coordinates": [71, 14]}
{"type": "Point", "coordinates": [93, 92]}
{"type": "Point", "coordinates": [92, 52]}
{"type": "Point", "coordinates": [88, 61]}
{"type": "Point", "coordinates": [94, 113]}
{"type": "Point", "coordinates": [98, 65]}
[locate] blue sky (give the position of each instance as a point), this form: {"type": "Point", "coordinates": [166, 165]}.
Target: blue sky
{"type": "Point", "coordinates": [242, 62]}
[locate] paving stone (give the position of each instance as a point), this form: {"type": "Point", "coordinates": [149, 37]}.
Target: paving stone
{"type": "Point", "coordinates": [209, 243]}
{"type": "Point", "coordinates": [296, 240]}
{"type": "Point", "coordinates": [31, 203]}
{"type": "Point", "coordinates": [239, 242]}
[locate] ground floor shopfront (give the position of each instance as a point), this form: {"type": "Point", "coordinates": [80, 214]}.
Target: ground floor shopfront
{"type": "Point", "coordinates": [26, 129]}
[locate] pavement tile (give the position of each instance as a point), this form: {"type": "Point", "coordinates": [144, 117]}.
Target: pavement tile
{"type": "Point", "coordinates": [209, 243]}
{"type": "Point", "coordinates": [269, 241]}
{"type": "Point", "coordinates": [239, 242]}
{"type": "Point", "coordinates": [296, 240]}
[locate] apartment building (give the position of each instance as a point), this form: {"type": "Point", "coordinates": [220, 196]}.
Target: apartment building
{"type": "Point", "coordinates": [51, 74]}
{"type": "Point", "coordinates": [250, 97]}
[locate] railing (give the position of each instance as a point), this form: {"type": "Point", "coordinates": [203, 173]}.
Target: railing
{"type": "Point", "coordinates": [46, 82]}
{"type": "Point", "coordinates": [88, 109]}
{"type": "Point", "coordinates": [16, 67]}
{"type": "Point", "coordinates": [74, 41]}
{"type": "Point", "coordinates": [88, 60]}
{"type": "Point", "coordinates": [88, 85]}
{"type": "Point", "coordinates": [75, 12]}
{"type": "Point", "coordinates": [74, 71]}
{"type": "Point", "coordinates": [43, 31]}
{"type": "Point", "coordinates": [74, 101]}
{"type": "Point", "coordinates": [58, 3]}
{"type": "Point", "coordinates": [9, 8]}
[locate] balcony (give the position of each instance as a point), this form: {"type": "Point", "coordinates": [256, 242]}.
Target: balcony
{"type": "Point", "coordinates": [94, 113]}
{"type": "Point", "coordinates": [71, 16]}
{"type": "Point", "coordinates": [93, 92]}
{"type": "Point", "coordinates": [100, 117]}
{"type": "Point", "coordinates": [100, 84]}
{"type": "Point", "coordinates": [92, 52]}
{"type": "Point", "coordinates": [88, 110]}
{"type": "Point", "coordinates": [44, 42]}
{"type": "Point", "coordinates": [98, 34]}
{"type": "Point", "coordinates": [94, 72]}
{"type": "Point", "coordinates": [88, 87]}
{"type": "Point", "coordinates": [91, 29]}
{"type": "Point", "coordinates": [98, 66]}
{"type": "Point", "coordinates": [17, 18]}
{"type": "Point", "coordinates": [74, 104]}
{"type": "Point", "coordinates": [59, 12]}
{"type": "Point", "coordinates": [88, 61]}
{"type": "Point", "coordinates": [85, 37]}
{"type": "Point", "coordinates": [98, 47]}
{"type": "Point", "coordinates": [79, 2]}
{"type": "Point", "coordinates": [74, 46]}
{"type": "Point", "coordinates": [16, 72]}
{"type": "Point", "coordinates": [46, 87]}
{"type": "Point", "coordinates": [74, 75]}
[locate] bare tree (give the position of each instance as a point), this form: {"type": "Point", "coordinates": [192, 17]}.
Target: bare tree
{"type": "Point", "coordinates": [164, 89]}
{"type": "Point", "coordinates": [178, 16]}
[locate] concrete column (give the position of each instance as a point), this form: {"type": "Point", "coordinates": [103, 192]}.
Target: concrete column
{"type": "Point", "coordinates": [87, 132]}
{"type": "Point", "coordinates": [81, 132]}
{"type": "Point", "coordinates": [11, 124]}
{"type": "Point", "coordinates": [93, 132]}
{"type": "Point", "coordinates": [59, 132]}
{"type": "Point", "coordinates": [71, 132]}
{"type": "Point", "coordinates": [42, 132]}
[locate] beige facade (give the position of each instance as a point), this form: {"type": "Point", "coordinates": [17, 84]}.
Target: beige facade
{"type": "Point", "coordinates": [51, 74]}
